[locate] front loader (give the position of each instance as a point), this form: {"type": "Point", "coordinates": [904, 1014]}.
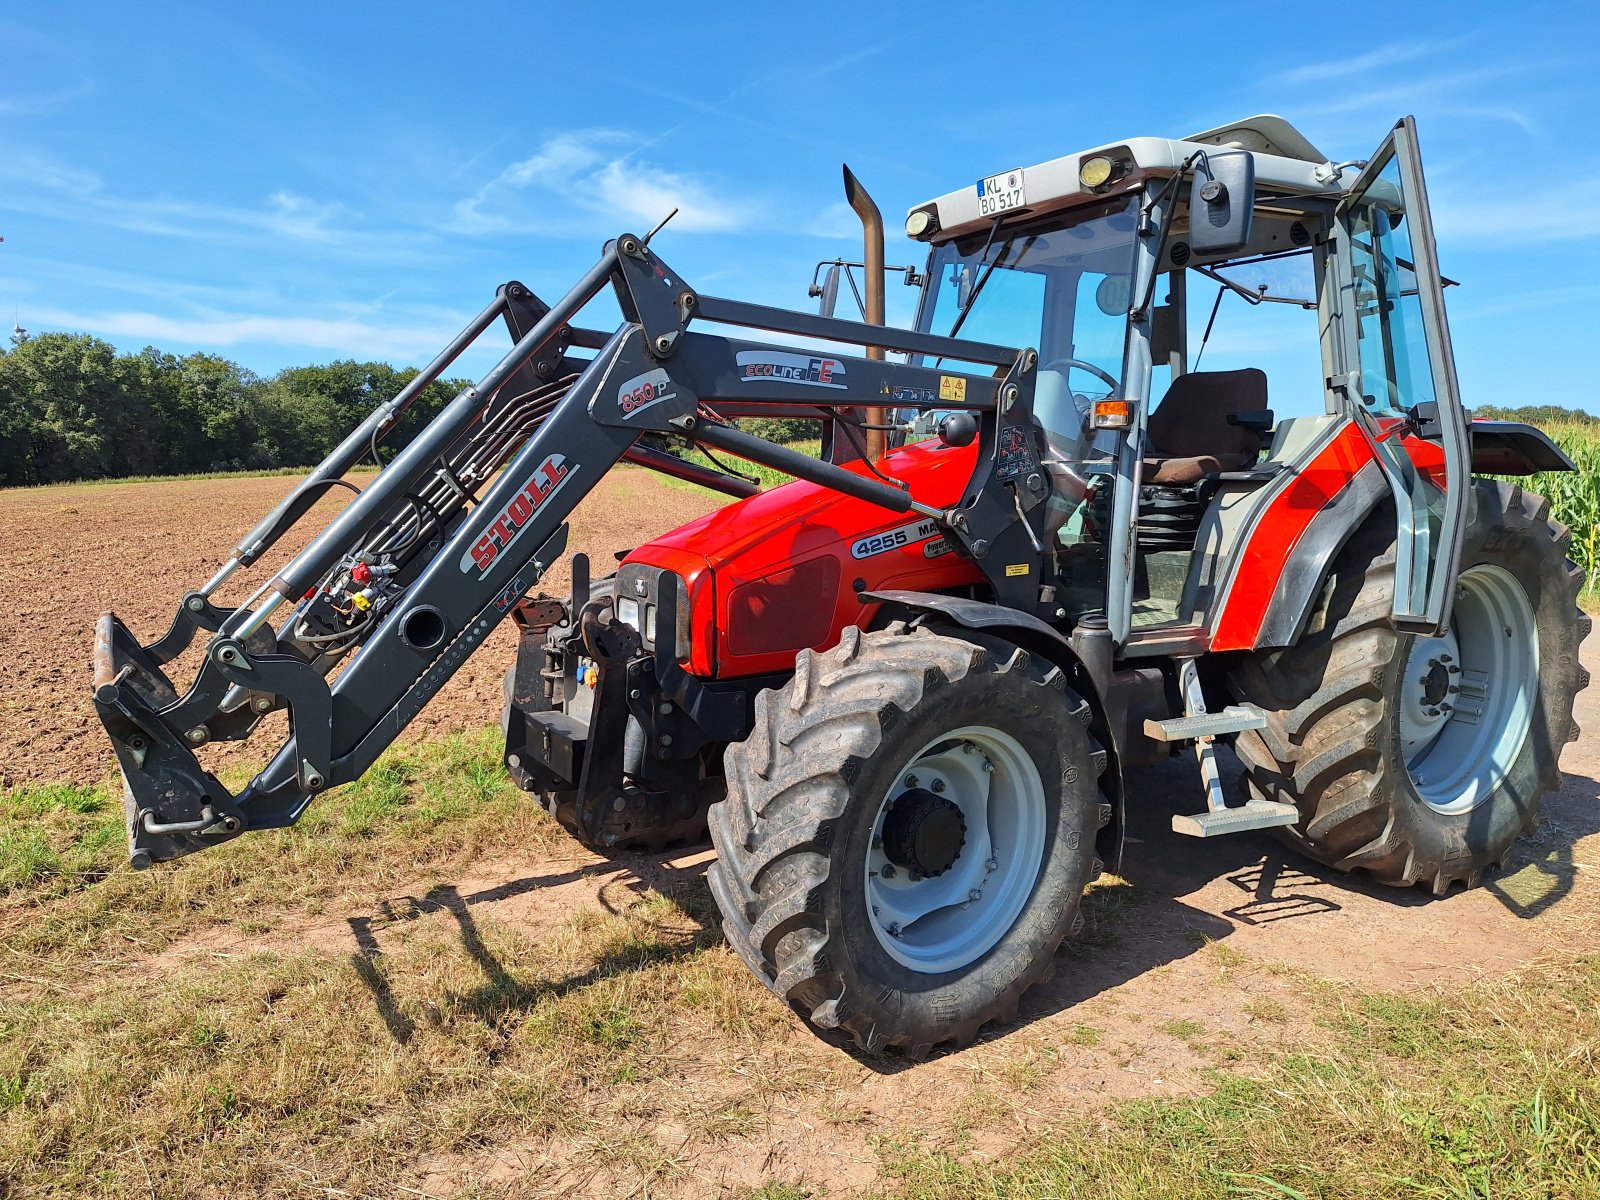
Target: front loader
{"type": "Point", "coordinates": [902, 691]}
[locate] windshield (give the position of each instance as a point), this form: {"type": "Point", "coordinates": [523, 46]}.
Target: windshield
{"type": "Point", "coordinates": [1060, 284]}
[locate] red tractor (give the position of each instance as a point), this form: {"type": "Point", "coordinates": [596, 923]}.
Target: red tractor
{"type": "Point", "coordinates": [903, 690]}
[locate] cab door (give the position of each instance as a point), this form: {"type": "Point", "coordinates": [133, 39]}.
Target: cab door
{"type": "Point", "coordinates": [1398, 375]}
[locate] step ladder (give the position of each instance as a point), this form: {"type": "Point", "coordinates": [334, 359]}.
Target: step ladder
{"type": "Point", "coordinates": [1202, 728]}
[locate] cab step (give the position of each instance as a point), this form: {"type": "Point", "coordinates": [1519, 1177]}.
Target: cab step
{"type": "Point", "coordinates": [1254, 814]}
{"type": "Point", "coordinates": [1234, 719]}
{"type": "Point", "coordinates": [1202, 728]}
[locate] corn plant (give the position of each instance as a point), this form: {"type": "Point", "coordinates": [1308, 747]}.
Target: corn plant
{"type": "Point", "coordinates": [1575, 495]}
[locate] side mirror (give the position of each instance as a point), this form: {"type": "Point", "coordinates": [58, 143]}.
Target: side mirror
{"type": "Point", "coordinates": [829, 291]}
{"type": "Point", "coordinates": [1222, 199]}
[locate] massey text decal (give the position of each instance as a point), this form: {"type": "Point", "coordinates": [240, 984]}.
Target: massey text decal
{"type": "Point", "coordinates": [643, 391]}
{"type": "Point", "coordinates": [893, 539]}
{"type": "Point", "coordinates": [547, 479]}
{"type": "Point", "coordinates": [810, 369]}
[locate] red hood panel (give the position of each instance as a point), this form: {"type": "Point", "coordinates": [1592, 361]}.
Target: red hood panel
{"type": "Point", "coordinates": [754, 546]}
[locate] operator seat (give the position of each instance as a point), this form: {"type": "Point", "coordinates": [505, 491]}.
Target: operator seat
{"type": "Point", "coordinates": [1189, 436]}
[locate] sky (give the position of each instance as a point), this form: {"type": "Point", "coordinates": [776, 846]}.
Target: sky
{"type": "Point", "coordinates": [298, 183]}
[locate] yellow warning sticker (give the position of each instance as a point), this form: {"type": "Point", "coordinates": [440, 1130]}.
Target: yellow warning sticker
{"type": "Point", "coordinates": [952, 387]}
{"type": "Point", "coordinates": [1015, 569]}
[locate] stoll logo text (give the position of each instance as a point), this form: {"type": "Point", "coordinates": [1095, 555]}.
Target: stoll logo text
{"type": "Point", "coordinates": [809, 369]}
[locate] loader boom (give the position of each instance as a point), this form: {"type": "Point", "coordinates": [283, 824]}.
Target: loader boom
{"type": "Point", "coordinates": [472, 512]}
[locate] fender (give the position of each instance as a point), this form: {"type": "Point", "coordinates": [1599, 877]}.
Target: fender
{"type": "Point", "coordinates": [1036, 637]}
{"type": "Point", "coordinates": [1512, 448]}
{"type": "Point", "coordinates": [1498, 447]}
{"type": "Point", "coordinates": [1313, 555]}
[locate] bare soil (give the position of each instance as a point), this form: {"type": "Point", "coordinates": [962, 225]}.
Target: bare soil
{"type": "Point", "coordinates": [69, 553]}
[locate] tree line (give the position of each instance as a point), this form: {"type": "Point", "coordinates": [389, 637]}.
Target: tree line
{"type": "Point", "coordinates": [72, 407]}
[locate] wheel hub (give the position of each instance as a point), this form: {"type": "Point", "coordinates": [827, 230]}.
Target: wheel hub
{"type": "Point", "coordinates": [923, 832]}
{"type": "Point", "coordinates": [1467, 699]}
{"type": "Point", "coordinates": [956, 847]}
{"type": "Point", "coordinates": [1435, 683]}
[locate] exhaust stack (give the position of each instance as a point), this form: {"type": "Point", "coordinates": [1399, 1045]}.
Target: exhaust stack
{"type": "Point", "coordinates": [872, 268]}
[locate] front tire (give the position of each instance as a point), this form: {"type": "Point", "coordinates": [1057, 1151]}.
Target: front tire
{"type": "Point", "coordinates": [1421, 760]}
{"type": "Point", "coordinates": [908, 833]}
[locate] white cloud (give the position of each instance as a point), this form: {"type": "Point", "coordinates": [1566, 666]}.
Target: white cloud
{"type": "Point", "coordinates": [836, 221]}
{"type": "Point", "coordinates": [44, 187]}
{"type": "Point", "coordinates": [1359, 64]}
{"type": "Point", "coordinates": [587, 172]}
{"type": "Point", "coordinates": [1471, 212]}
{"type": "Point", "coordinates": [345, 336]}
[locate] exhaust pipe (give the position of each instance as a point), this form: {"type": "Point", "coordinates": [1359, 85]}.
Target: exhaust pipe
{"type": "Point", "coordinates": [872, 262]}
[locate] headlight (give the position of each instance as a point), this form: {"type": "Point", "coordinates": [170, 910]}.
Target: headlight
{"type": "Point", "coordinates": [639, 590]}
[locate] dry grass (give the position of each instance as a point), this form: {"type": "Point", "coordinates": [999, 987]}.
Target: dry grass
{"type": "Point", "coordinates": [457, 1047]}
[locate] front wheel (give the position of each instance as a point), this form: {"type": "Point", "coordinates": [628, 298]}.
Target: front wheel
{"type": "Point", "coordinates": [1422, 759]}
{"type": "Point", "coordinates": [908, 833]}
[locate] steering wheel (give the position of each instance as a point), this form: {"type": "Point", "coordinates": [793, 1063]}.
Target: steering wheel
{"type": "Point", "coordinates": [1068, 363]}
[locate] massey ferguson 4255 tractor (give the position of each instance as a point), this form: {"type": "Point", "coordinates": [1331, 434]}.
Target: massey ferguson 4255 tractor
{"type": "Point", "coordinates": [904, 689]}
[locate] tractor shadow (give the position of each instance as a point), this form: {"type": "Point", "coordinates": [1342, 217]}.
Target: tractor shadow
{"type": "Point", "coordinates": [1276, 883]}
{"type": "Point", "coordinates": [501, 990]}
{"type": "Point", "coordinates": [1134, 923]}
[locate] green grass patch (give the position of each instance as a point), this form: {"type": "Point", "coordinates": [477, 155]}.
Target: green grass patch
{"type": "Point", "coordinates": [261, 473]}
{"type": "Point", "coordinates": [767, 477]}
{"type": "Point", "coordinates": [1491, 1093]}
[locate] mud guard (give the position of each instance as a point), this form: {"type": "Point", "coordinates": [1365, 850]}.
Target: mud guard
{"type": "Point", "coordinates": [1498, 448]}
{"type": "Point", "coordinates": [1513, 448]}
{"type": "Point", "coordinates": [1329, 530]}
{"type": "Point", "coordinates": [1036, 637]}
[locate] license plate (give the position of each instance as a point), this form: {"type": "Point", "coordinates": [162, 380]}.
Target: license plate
{"type": "Point", "coordinates": [1000, 193]}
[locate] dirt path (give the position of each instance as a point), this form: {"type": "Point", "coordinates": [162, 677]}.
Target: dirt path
{"type": "Point", "coordinates": [69, 553]}
{"type": "Point", "coordinates": [1211, 955]}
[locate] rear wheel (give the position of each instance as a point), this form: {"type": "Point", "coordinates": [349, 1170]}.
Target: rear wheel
{"type": "Point", "coordinates": [1421, 759]}
{"type": "Point", "coordinates": [908, 833]}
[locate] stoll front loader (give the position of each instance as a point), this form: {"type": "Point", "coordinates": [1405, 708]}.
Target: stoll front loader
{"type": "Point", "coordinates": [903, 690]}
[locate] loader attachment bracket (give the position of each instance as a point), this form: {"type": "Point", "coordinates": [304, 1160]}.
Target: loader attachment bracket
{"type": "Point", "coordinates": [172, 805]}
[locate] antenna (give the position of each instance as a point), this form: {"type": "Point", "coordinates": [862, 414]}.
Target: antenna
{"type": "Point", "coordinates": [660, 227]}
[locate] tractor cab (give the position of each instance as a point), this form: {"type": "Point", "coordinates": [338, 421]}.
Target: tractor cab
{"type": "Point", "coordinates": [1115, 263]}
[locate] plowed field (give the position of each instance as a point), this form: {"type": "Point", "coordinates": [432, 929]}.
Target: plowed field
{"type": "Point", "coordinates": [68, 553]}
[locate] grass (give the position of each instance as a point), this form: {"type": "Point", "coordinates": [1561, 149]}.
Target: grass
{"type": "Point", "coordinates": [259, 473]}
{"type": "Point", "coordinates": [766, 476]}
{"type": "Point", "coordinates": [1492, 1093]}
{"type": "Point", "coordinates": [320, 1036]}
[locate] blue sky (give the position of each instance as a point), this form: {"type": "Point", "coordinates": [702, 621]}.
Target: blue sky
{"type": "Point", "coordinates": [295, 183]}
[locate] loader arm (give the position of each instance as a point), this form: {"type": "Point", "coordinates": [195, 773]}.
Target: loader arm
{"type": "Point", "coordinates": [407, 581]}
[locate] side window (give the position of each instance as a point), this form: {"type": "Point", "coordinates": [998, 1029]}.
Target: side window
{"type": "Point", "coordinates": [1396, 373]}
{"type": "Point", "coordinates": [1277, 335]}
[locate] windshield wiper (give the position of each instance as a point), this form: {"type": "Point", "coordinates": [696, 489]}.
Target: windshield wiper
{"type": "Point", "coordinates": [988, 270]}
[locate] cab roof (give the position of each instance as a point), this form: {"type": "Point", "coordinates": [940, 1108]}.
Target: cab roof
{"type": "Point", "coordinates": [1286, 162]}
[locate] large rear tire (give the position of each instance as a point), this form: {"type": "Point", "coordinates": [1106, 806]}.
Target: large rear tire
{"type": "Point", "coordinates": [908, 833]}
{"type": "Point", "coordinates": [1421, 760]}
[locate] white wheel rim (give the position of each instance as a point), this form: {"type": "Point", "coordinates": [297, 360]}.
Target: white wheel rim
{"type": "Point", "coordinates": [1467, 699]}
{"type": "Point", "coordinates": [942, 923]}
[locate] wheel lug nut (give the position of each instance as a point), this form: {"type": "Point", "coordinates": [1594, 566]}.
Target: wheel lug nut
{"type": "Point", "coordinates": [894, 929]}
{"type": "Point", "coordinates": [911, 781]}
{"type": "Point", "coordinates": [938, 785]}
{"type": "Point", "coordinates": [974, 894]}
{"type": "Point", "coordinates": [888, 871]}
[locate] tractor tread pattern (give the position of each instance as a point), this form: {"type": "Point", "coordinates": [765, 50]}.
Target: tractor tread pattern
{"type": "Point", "coordinates": [788, 785]}
{"type": "Point", "coordinates": [1325, 706]}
